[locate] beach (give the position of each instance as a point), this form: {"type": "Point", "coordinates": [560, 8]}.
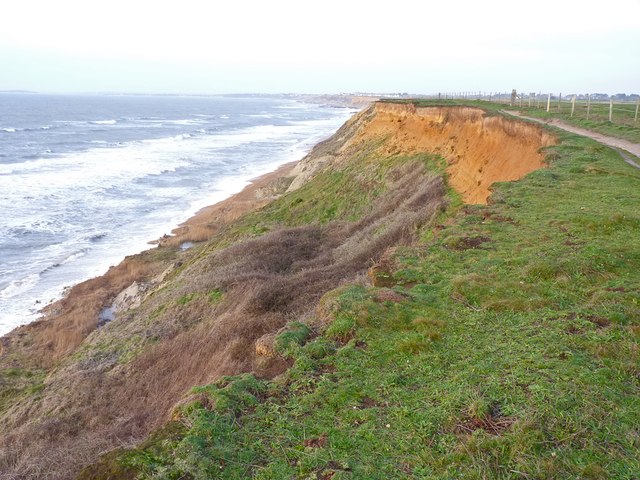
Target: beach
{"type": "Point", "coordinates": [65, 323]}
{"type": "Point", "coordinates": [87, 180]}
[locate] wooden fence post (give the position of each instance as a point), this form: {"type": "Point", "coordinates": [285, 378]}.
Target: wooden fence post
{"type": "Point", "coordinates": [588, 104]}
{"type": "Point", "coordinates": [548, 102]}
{"type": "Point", "coordinates": [559, 102]}
{"type": "Point", "coordinates": [610, 109]}
{"type": "Point", "coordinates": [635, 119]}
{"type": "Point", "coordinates": [573, 104]}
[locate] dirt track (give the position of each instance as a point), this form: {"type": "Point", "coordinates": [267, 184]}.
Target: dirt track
{"type": "Point", "coordinates": [620, 145]}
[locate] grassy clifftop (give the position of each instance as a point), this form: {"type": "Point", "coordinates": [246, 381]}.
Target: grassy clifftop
{"type": "Point", "coordinates": [369, 324]}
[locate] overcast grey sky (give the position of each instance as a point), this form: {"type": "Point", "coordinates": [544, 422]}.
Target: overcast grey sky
{"type": "Point", "coordinates": [271, 46]}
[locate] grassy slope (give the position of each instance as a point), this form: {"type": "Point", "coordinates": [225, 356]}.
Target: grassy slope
{"type": "Point", "coordinates": [509, 350]}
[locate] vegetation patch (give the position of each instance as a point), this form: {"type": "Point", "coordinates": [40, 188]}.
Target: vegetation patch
{"type": "Point", "coordinates": [184, 299]}
{"type": "Point", "coordinates": [466, 243]}
{"type": "Point", "coordinates": [295, 335]}
{"type": "Point", "coordinates": [215, 296]}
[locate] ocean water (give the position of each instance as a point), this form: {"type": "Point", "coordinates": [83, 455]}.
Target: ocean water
{"type": "Point", "coordinates": [87, 180]}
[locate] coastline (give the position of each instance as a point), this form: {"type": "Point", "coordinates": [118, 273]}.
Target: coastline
{"type": "Point", "coordinates": [93, 233]}
{"type": "Point", "coordinates": [197, 225]}
{"type": "Point", "coordinates": [66, 322]}
{"type": "Point", "coordinates": [382, 262]}
{"type": "Point", "coordinates": [207, 221]}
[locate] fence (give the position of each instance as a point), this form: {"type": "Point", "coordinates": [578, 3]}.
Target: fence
{"type": "Point", "coordinates": [584, 106]}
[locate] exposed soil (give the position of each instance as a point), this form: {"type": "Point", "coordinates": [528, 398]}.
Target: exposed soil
{"type": "Point", "coordinates": [480, 150]}
{"type": "Point", "coordinates": [316, 442]}
{"type": "Point", "coordinates": [386, 295]}
{"type": "Point", "coordinates": [469, 243]}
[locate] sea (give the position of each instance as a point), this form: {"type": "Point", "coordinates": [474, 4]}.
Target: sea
{"type": "Point", "coordinates": [87, 179]}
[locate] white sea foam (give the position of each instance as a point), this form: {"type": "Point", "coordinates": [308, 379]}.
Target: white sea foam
{"type": "Point", "coordinates": [104, 122]}
{"type": "Point", "coordinates": [19, 286]}
{"type": "Point", "coordinates": [8, 130]}
{"type": "Point", "coordinates": [259, 115]}
{"type": "Point", "coordinates": [185, 121]}
{"type": "Point", "coordinates": [74, 256]}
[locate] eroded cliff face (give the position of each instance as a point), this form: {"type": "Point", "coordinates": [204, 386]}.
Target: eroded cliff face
{"type": "Point", "coordinates": [480, 150]}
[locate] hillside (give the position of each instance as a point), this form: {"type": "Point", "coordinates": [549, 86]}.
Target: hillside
{"type": "Point", "coordinates": [387, 308]}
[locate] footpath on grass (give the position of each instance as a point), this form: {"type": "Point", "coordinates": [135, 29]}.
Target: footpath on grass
{"type": "Point", "coordinates": [617, 143]}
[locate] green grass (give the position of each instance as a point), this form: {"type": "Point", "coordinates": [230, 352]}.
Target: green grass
{"type": "Point", "coordinates": [185, 299]}
{"type": "Point", "coordinates": [517, 356]}
{"type": "Point", "coordinates": [215, 296]}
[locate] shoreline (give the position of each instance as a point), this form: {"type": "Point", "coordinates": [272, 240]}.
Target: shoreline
{"type": "Point", "coordinates": [207, 221]}
{"type": "Point", "coordinates": [48, 279]}
{"type": "Point", "coordinates": [64, 323]}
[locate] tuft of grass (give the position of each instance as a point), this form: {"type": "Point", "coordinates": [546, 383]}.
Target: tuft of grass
{"type": "Point", "coordinates": [17, 383]}
{"type": "Point", "coordinates": [215, 296]}
{"type": "Point", "coordinates": [186, 298]}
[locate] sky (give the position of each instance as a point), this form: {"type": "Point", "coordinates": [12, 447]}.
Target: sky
{"type": "Point", "coordinates": [328, 46]}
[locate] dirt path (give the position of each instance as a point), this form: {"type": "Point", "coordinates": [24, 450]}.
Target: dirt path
{"type": "Point", "coordinates": [618, 144]}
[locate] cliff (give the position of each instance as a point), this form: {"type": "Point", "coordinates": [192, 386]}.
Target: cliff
{"type": "Point", "coordinates": [359, 262]}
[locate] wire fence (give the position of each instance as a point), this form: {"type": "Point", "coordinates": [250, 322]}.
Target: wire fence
{"type": "Point", "coordinates": [596, 107]}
